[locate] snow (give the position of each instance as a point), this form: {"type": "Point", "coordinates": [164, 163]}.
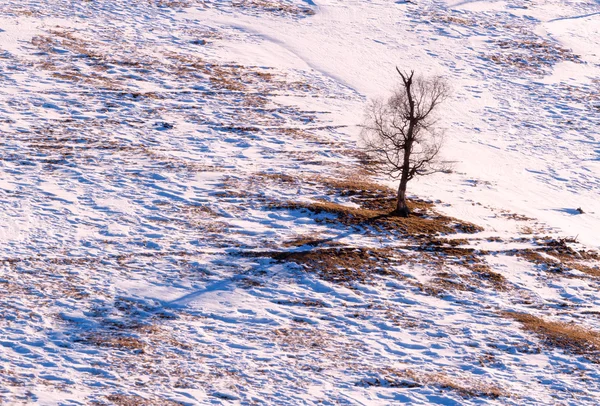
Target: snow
{"type": "Point", "coordinates": [138, 138]}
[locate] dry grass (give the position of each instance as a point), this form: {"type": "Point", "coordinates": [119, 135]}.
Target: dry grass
{"type": "Point", "coordinates": [246, 80]}
{"type": "Point", "coordinates": [299, 338]}
{"type": "Point", "coordinates": [421, 224]}
{"type": "Point", "coordinates": [453, 242]}
{"type": "Point", "coordinates": [81, 48]}
{"type": "Point", "coordinates": [468, 258]}
{"type": "Point", "coordinates": [340, 265]}
{"type": "Point", "coordinates": [133, 400]}
{"type": "Point", "coordinates": [270, 6]}
{"type": "Point", "coordinates": [312, 240]}
{"type": "Point", "coordinates": [276, 177]}
{"type": "Point", "coordinates": [442, 256]}
{"type": "Point", "coordinates": [302, 302]}
{"type": "Point", "coordinates": [438, 16]}
{"type": "Point", "coordinates": [531, 55]}
{"type": "Point", "coordinates": [408, 378]}
{"type": "Point", "coordinates": [115, 341]}
{"type": "Point", "coordinates": [483, 271]}
{"type": "Point", "coordinates": [15, 11]}
{"type": "Point", "coordinates": [465, 387]}
{"type": "Point", "coordinates": [454, 20]}
{"type": "Point", "coordinates": [567, 336]}
{"type": "Point", "coordinates": [547, 263]}
{"type": "Point", "coordinates": [444, 282]}
{"type": "Point", "coordinates": [348, 265]}
{"type": "Point", "coordinates": [354, 185]}
{"type": "Point", "coordinates": [177, 3]}
{"type": "Point", "coordinates": [307, 136]}
{"type": "Point", "coordinates": [375, 203]}
{"type": "Point", "coordinates": [516, 216]}
{"type": "Point", "coordinates": [556, 256]}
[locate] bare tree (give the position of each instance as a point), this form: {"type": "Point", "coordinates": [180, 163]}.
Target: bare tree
{"type": "Point", "coordinates": [400, 134]}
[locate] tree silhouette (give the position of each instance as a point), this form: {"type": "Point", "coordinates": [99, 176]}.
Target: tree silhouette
{"type": "Point", "coordinates": [400, 134]}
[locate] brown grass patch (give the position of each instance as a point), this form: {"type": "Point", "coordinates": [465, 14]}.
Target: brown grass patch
{"type": "Point", "coordinates": [133, 400]}
{"type": "Point", "coordinates": [515, 216]}
{"type": "Point", "coordinates": [419, 224]}
{"type": "Point", "coordinates": [355, 185]}
{"type": "Point", "coordinates": [555, 255]}
{"type": "Point", "coordinates": [444, 282]}
{"type": "Point", "coordinates": [531, 54]}
{"type": "Point", "coordinates": [408, 378]}
{"type": "Point", "coordinates": [454, 20]}
{"type": "Point", "coordinates": [483, 271]}
{"type": "Point", "coordinates": [236, 78]}
{"type": "Point", "coordinates": [12, 10]}
{"type": "Point", "coordinates": [340, 265]}
{"type": "Point", "coordinates": [347, 265]}
{"type": "Point", "coordinates": [548, 264]}
{"type": "Point", "coordinates": [115, 341]}
{"type": "Point", "coordinates": [306, 135]}
{"type": "Point", "coordinates": [312, 240]}
{"type": "Point", "coordinates": [177, 3]}
{"type": "Point", "coordinates": [570, 337]}
{"type": "Point", "coordinates": [297, 338]}
{"type": "Point", "coordinates": [480, 274]}
{"type": "Point", "coordinates": [277, 177]}
{"type": "Point", "coordinates": [375, 203]}
{"type": "Point", "coordinates": [439, 253]}
{"type": "Point", "coordinates": [453, 242]}
{"type": "Point", "coordinates": [302, 302]}
{"type": "Point", "coordinates": [278, 7]}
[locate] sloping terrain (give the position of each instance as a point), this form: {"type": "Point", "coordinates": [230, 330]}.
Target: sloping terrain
{"type": "Point", "coordinates": [188, 218]}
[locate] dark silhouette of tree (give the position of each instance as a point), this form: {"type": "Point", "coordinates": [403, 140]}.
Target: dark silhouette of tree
{"type": "Point", "coordinates": [400, 134]}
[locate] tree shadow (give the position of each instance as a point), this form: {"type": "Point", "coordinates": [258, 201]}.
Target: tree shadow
{"type": "Point", "coordinates": [570, 211]}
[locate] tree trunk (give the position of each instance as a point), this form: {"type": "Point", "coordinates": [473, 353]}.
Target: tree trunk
{"type": "Point", "coordinates": [402, 209]}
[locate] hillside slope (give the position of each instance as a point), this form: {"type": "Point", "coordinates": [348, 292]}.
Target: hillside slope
{"type": "Point", "coordinates": [187, 218]}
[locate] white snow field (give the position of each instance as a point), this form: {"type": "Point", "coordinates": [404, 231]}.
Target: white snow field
{"type": "Point", "coordinates": [186, 219]}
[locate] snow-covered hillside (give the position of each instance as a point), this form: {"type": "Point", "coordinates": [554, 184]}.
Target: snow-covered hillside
{"type": "Point", "coordinates": [186, 219]}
